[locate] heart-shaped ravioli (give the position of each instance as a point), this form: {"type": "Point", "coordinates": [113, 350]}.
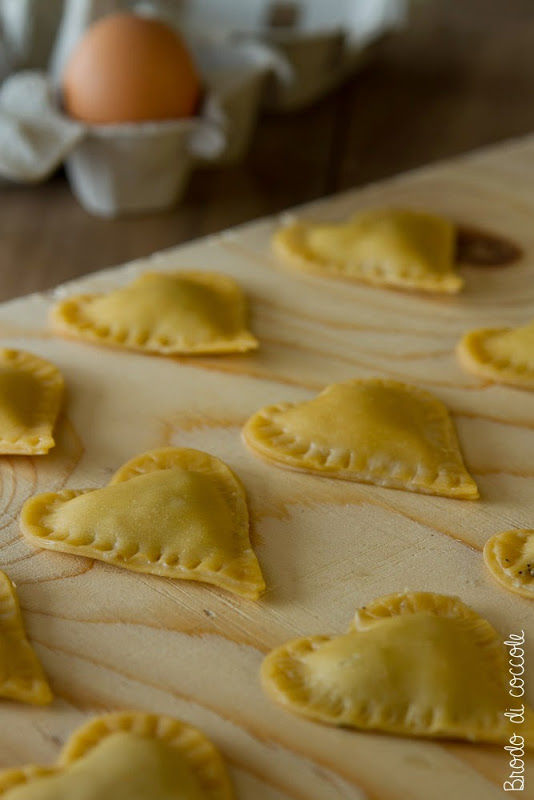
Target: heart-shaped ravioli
{"type": "Point", "coordinates": [21, 675]}
{"type": "Point", "coordinates": [174, 512]}
{"type": "Point", "coordinates": [509, 557]}
{"type": "Point", "coordinates": [399, 248]}
{"type": "Point", "coordinates": [31, 390]}
{"type": "Point", "coordinates": [373, 431]}
{"type": "Point", "coordinates": [127, 756]}
{"type": "Point", "coordinates": [418, 664]}
{"type": "Point", "coordinates": [171, 313]}
{"type": "Point", "coordinates": [504, 355]}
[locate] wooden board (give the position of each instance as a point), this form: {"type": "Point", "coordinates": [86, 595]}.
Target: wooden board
{"type": "Point", "coordinates": [112, 639]}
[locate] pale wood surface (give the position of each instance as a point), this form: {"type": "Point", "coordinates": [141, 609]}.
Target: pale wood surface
{"type": "Point", "coordinates": [112, 639]}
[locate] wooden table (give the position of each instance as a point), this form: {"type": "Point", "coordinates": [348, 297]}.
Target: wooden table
{"type": "Point", "coordinates": [459, 78]}
{"type": "Point", "coordinates": [112, 639]}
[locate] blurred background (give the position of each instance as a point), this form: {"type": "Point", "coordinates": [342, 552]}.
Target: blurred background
{"type": "Point", "coordinates": [447, 78]}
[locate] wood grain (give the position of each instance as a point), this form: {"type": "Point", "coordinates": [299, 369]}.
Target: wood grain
{"type": "Point", "coordinates": [111, 639]}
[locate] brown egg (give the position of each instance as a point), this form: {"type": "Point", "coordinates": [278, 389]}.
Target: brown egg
{"type": "Point", "coordinates": [128, 68]}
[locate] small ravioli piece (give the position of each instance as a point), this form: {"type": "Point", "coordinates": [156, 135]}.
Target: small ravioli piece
{"type": "Point", "coordinates": [174, 512]}
{"type": "Point", "coordinates": [504, 355]}
{"type": "Point", "coordinates": [415, 664]}
{"type": "Point", "coordinates": [31, 390]}
{"type": "Point", "coordinates": [170, 313]}
{"type": "Point", "coordinates": [372, 431]}
{"type": "Point", "coordinates": [402, 249]}
{"type": "Point", "coordinates": [126, 756]}
{"type": "Point", "coordinates": [21, 675]}
{"type": "Point", "coordinates": [509, 556]}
